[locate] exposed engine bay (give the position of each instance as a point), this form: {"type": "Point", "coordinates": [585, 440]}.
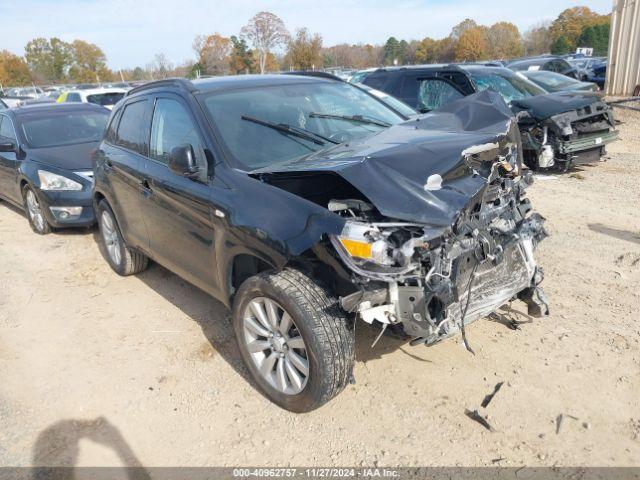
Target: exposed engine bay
{"type": "Point", "coordinates": [433, 284]}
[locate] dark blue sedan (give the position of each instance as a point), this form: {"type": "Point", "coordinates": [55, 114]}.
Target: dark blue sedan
{"type": "Point", "coordinates": [45, 162]}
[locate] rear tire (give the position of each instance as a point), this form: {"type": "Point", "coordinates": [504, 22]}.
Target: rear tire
{"type": "Point", "coordinates": [32, 206]}
{"type": "Point", "coordinates": [122, 259]}
{"type": "Point", "coordinates": [318, 340]}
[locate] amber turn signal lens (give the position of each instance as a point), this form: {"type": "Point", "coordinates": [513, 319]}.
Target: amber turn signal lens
{"type": "Point", "coordinates": [356, 248]}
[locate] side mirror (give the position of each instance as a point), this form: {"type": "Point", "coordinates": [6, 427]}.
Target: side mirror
{"type": "Point", "coordinates": [182, 160]}
{"type": "Point", "coordinates": [8, 147]}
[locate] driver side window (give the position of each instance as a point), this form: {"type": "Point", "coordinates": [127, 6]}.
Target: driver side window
{"type": "Point", "coordinates": [434, 93]}
{"type": "Point", "coordinates": [172, 126]}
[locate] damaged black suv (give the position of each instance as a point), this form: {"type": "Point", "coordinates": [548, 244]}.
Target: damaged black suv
{"type": "Point", "coordinates": [306, 203]}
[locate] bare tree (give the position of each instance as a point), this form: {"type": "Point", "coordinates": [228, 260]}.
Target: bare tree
{"type": "Point", "coordinates": [161, 67]}
{"type": "Point", "coordinates": [265, 31]}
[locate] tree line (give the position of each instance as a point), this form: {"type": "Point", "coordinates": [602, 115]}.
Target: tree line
{"type": "Point", "coordinates": [265, 45]}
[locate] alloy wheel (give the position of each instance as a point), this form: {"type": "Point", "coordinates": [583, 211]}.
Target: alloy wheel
{"type": "Point", "coordinates": [111, 239]}
{"type": "Point", "coordinates": [275, 345]}
{"type": "Point", "coordinates": [35, 212]}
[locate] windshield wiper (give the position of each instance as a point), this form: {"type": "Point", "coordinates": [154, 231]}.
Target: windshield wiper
{"type": "Point", "coordinates": [352, 118]}
{"type": "Point", "coordinates": [291, 130]}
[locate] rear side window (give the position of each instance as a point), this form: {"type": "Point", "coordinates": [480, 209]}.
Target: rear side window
{"type": "Point", "coordinates": [434, 93]}
{"type": "Point", "coordinates": [171, 127]}
{"type": "Point", "coordinates": [130, 128]}
{"type": "Point", "coordinates": [73, 97]}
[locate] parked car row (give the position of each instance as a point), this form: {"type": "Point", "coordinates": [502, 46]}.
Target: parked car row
{"type": "Point", "coordinates": [302, 202]}
{"type": "Point", "coordinates": [106, 94]}
{"type": "Point", "coordinates": [585, 65]}
{"type": "Point", "coordinates": [549, 63]}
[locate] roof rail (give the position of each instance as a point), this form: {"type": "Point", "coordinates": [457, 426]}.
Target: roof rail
{"type": "Point", "coordinates": [168, 82]}
{"type": "Point", "coordinates": [454, 66]}
{"type": "Point", "coordinates": [312, 73]}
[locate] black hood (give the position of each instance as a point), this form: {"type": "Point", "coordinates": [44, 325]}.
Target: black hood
{"type": "Point", "coordinates": [392, 168]}
{"type": "Point", "coordinates": [68, 157]}
{"type": "Point", "coordinates": [542, 107]}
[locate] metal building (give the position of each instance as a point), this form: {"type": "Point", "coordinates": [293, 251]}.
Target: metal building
{"type": "Point", "coordinates": [623, 69]}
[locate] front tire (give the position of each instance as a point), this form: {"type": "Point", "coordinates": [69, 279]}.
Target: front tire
{"type": "Point", "coordinates": [295, 340]}
{"type": "Point", "coordinates": [34, 211]}
{"type": "Point", "coordinates": [122, 259]}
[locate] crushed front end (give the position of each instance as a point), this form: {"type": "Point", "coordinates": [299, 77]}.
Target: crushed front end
{"type": "Point", "coordinates": [575, 136]}
{"type": "Point", "coordinates": [433, 281]}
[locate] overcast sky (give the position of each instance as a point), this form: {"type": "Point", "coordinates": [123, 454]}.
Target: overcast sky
{"type": "Point", "coordinates": [130, 32]}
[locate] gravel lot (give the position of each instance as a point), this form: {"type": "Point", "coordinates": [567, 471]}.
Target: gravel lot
{"type": "Point", "coordinates": [101, 370]}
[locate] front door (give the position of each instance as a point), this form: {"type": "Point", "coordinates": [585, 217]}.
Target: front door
{"type": "Point", "coordinates": [122, 158]}
{"type": "Point", "coordinates": [176, 208]}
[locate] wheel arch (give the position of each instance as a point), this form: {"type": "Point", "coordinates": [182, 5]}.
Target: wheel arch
{"type": "Point", "coordinates": [243, 266]}
{"type": "Point", "coordinates": [99, 196]}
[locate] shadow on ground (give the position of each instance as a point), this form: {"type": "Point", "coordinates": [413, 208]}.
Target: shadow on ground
{"type": "Point", "coordinates": [633, 237]}
{"type": "Point", "coordinates": [576, 170]}
{"type": "Point", "coordinates": [212, 316]}
{"type": "Point", "coordinates": [55, 453]}
{"type": "Point", "coordinates": [215, 319]}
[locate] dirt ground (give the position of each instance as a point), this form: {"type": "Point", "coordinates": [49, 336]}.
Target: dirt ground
{"type": "Point", "coordinates": [100, 370]}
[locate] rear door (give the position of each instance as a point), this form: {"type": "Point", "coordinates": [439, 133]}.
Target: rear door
{"type": "Point", "coordinates": [9, 163]}
{"type": "Point", "coordinates": [176, 208]}
{"type": "Point", "coordinates": [122, 157]}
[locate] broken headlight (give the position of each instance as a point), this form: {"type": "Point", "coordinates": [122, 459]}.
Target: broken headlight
{"type": "Point", "coordinates": [380, 251]}
{"type": "Point", "coordinates": [365, 242]}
